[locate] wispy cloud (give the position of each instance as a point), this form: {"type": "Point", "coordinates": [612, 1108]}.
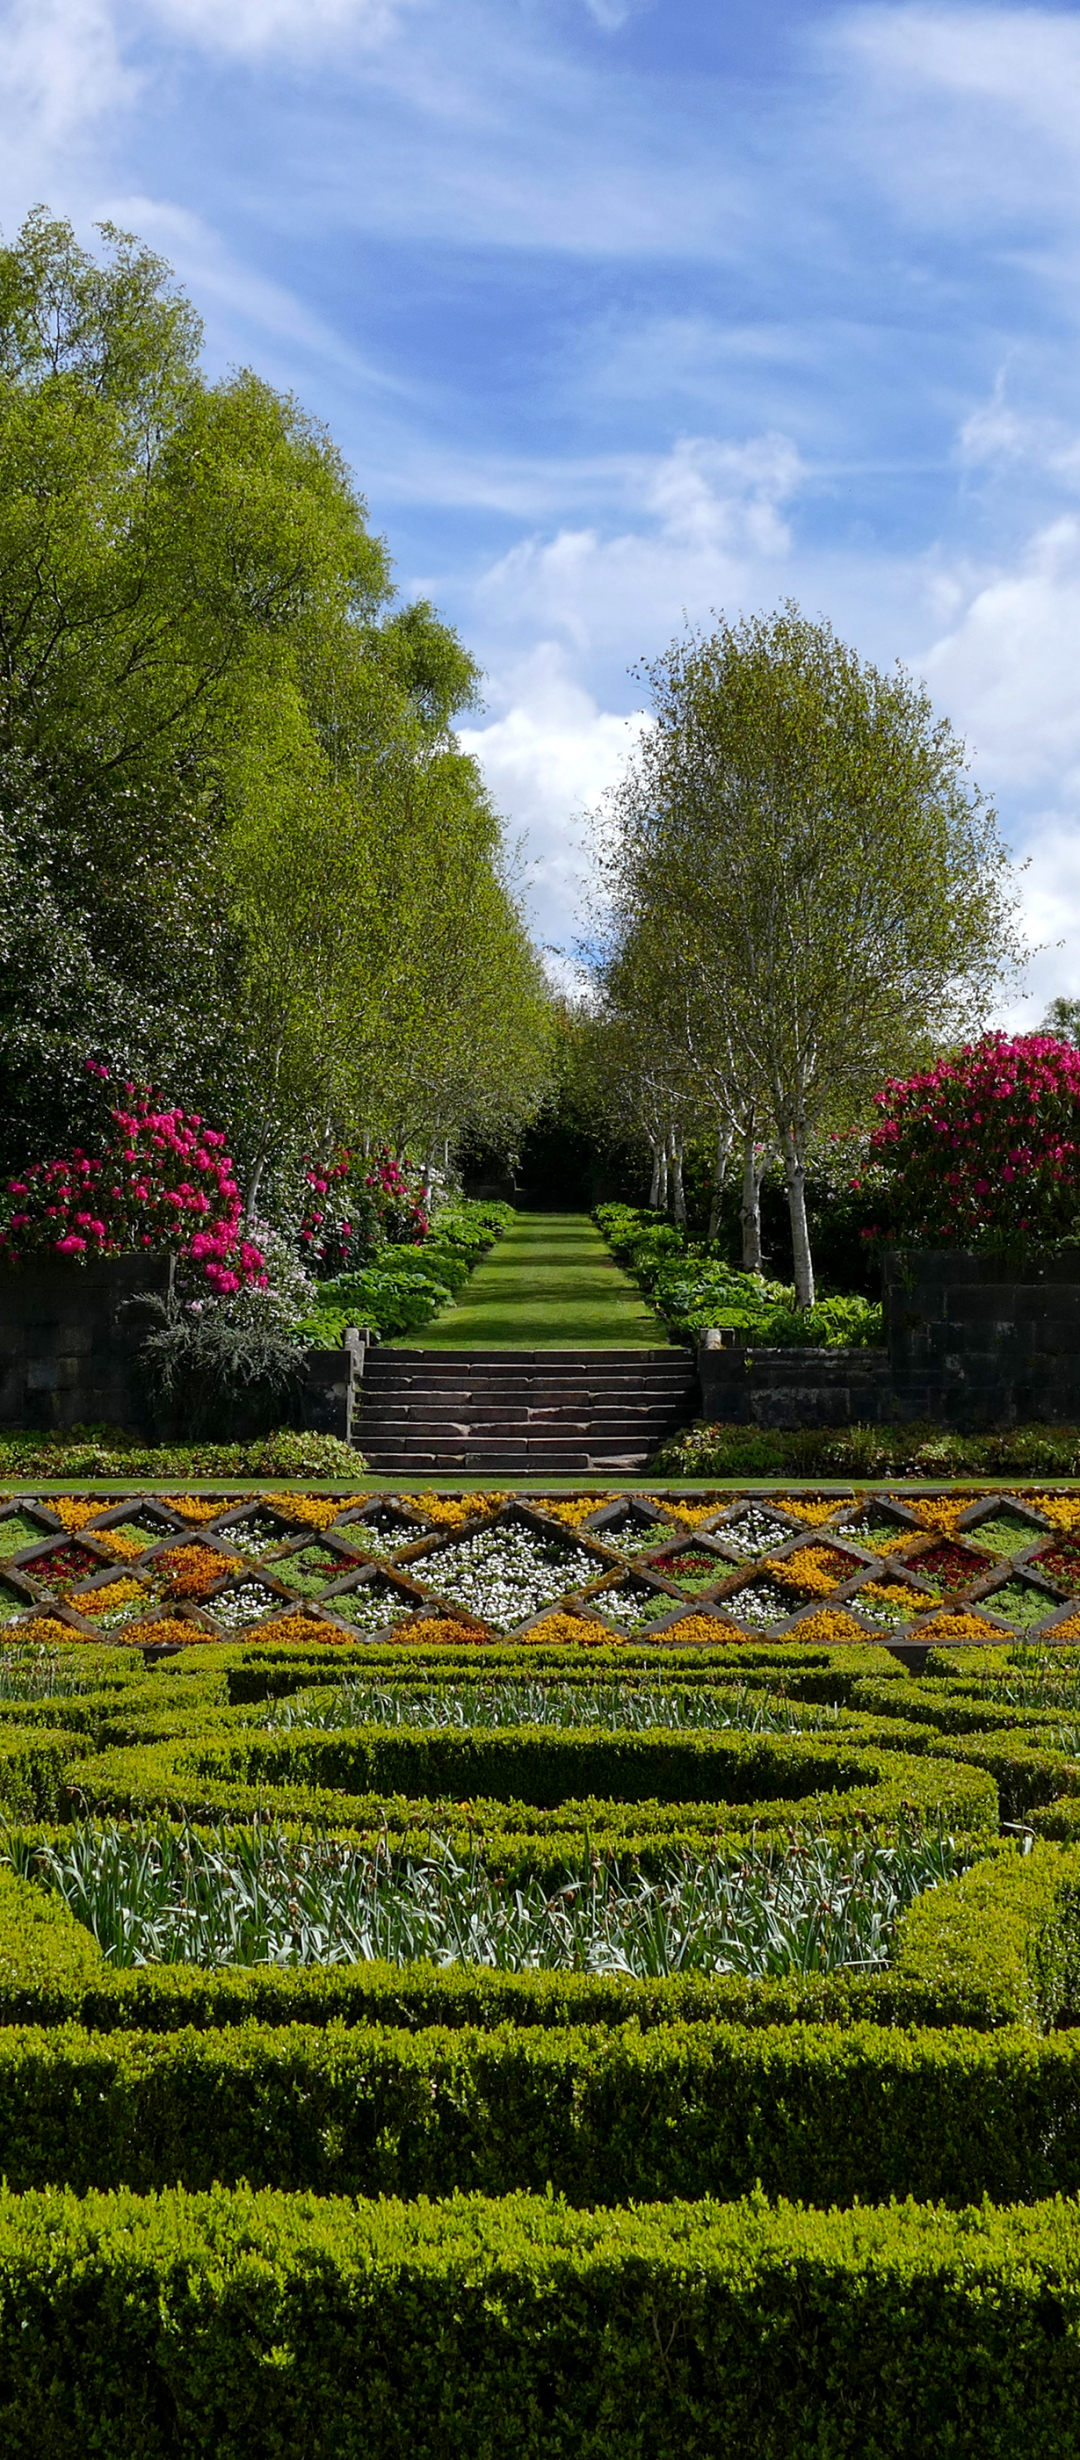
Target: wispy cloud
{"type": "Point", "coordinates": [255, 28]}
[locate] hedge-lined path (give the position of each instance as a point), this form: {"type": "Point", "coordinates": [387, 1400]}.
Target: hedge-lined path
{"type": "Point", "coordinates": [550, 1361]}
{"type": "Point", "coordinates": [548, 1283]}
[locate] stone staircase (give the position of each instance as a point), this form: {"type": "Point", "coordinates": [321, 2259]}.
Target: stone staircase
{"type": "Point", "coordinates": [520, 1411]}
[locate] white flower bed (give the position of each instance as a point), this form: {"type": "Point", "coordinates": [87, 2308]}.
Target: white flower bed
{"type": "Point", "coordinates": [504, 1575]}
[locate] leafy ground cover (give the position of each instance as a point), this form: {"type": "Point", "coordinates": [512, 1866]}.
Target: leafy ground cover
{"type": "Point", "coordinates": [405, 1287]}
{"type": "Point", "coordinates": [692, 1287]}
{"type": "Point", "coordinates": [505, 1926]}
{"type": "Point", "coordinates": [869, 1452]}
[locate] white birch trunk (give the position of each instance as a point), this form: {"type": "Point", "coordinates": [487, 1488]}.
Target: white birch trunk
{"type": "Point", "coordinates": [654, 1190]}
{"type": "Point", "coordinates": [678, 1193]}
{"type": "Point", "coordinates": [750, 1209]}
{"type": "Point", "coordinates": [725, 1135]}
{"type": "Point", "coordinates": [795, 1178]}
{"type": "Point", "coordinates": [661, 1179]}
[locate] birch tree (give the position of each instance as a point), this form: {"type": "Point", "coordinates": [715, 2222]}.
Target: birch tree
{"type": "Point", "coordinates": [801, 833]}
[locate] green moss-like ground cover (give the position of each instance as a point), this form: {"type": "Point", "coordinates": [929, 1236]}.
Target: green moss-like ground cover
{"type": "Point", "coordinates": [549, 1283]}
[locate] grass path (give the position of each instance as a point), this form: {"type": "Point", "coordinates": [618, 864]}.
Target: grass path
{"type": "Point", "coordinates": [548, 1283]}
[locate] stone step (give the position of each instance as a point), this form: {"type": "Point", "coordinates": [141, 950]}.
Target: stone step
{"type": "Point", "coordinates": [574, 1413]}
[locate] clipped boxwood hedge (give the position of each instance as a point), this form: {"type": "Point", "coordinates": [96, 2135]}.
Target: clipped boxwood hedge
{"type": "Point", "coordinates": [244, 2326]}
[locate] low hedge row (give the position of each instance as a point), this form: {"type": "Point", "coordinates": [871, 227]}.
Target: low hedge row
{"type": "Point", "coordinates": [178, 1782]}
{"type": "Point", "coordinates": [826, 2114]}
{"type": "Point", "coordinates": [244, 2326]}
{"type": "Point", "coordinates": [996, 1947]}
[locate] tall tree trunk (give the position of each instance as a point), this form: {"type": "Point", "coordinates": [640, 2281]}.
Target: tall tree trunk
{"type": "Point", "coordinates": [750, 1209]}
{"type": "Point", "coordinates": [678, 1192]}
{"type": "Point", "coordinates": [654, 1189]}
{"type": "Point", "coordinates": [795, 1178]}
{"type": "Point", "coordinates": [661, 1178]}
{"type": "Point", "coordinates": [725, 1135]}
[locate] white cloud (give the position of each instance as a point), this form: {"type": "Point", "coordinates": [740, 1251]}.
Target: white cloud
{"type": "Point", "coordinates": [61, 76]}
{"type": "Point", "coordinates": [250, 27]}
{"type": "Point", "coordinates": [548, 761]}
{"type": "Point", "coordinates": [716, 517]}
{"type": "Point", "coordinates": [1006, 668]}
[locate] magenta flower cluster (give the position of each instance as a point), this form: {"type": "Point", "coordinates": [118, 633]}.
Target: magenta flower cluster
{"type": "Point", "coordinates": [356, 1205]}
{"type": "Point", "coordinates": [985, 1143]}
{"type": "Point", "coordinates": [163, 1185]}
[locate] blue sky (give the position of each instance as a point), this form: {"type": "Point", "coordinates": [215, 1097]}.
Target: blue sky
{"type": "Point", "coordinates": [624, 310]}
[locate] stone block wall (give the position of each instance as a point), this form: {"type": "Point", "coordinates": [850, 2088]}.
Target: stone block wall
{"type": "Point", "coordinates": [68, 1338]}
{"type": "Point", "coordinates": [743, 1386]}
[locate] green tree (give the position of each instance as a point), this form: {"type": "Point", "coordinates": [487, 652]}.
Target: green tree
{"type": "Point", "coordinates": [197, 638]}
{"type": "Point", "coordinates": [798, 830]}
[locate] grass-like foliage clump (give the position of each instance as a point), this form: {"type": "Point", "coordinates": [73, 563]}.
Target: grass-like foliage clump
{"type": "Point", "coordinates": [523, 1703]}
{"type": "Point", "coordinates": [154, 1895]}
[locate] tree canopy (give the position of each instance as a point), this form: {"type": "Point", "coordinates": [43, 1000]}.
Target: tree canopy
{"type": "Point", "coordinates": [234, 821]}
{"type": "Point", "coordinates": [804, 887]}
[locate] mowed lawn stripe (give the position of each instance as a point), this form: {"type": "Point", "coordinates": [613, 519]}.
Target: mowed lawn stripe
{"type": "Point", "coordinates": [548, 1283]}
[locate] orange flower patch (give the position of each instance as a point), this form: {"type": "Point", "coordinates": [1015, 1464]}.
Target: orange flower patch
{"type": "Point", "coordinates": [193, 1570]}
{"type": "Point", "coordinates": [47, 1633]}
{"type": "Point", "coordinates": [894, 1593]}
{"type": "Point", "coordinates": [1069, 1630]}
{"type": "Point", "coordinates": [445, 1627]}
{"type": "Point", "coordinates": [299, 1627]}
{"type": "Point", "coordinates": [700, 1631]}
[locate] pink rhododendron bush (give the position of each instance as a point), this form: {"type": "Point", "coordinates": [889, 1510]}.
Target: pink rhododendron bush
{"type": "Point", "coordinates": [162, 1184]}
{"type": "Point", "coordinates": [985, 1145]}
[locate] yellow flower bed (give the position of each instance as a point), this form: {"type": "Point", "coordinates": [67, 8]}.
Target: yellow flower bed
{"type": "Point", "coordinates": [893, 1593]}
{"type": "Point", "coordinates": [298, 1627]}
{"type": "Point", "coordinates": [202, 1507]}
{"type": "Point", "coordinates": [1062, 1511]}
{"type": "Point", "coordinates": [701, 1631]}
{"type": "Point", "coordinates": [572, 1631]}
{"type": "Point", "coordinates": [121, 1544]}
{"type": "Point", "coordinates": [812, 1568]}
{"type": "Point", "coordinates": [105, 1601]}
{"type": "Point", "coordinates": [314, 1511]}
{"type": "Point", "coordinates": [939, 1513]}
{"type": "Point", "coordinates": [571, 1510]}
{"type": "Point", "coordinates": [75, 1510]}
{"type": "Point", "coordinates": [433, 1629]}
{"type": "Point", "coordinates": [813, 1508]}
{"type": "Point", "coordinates": [167, 1630]}
{"type": "Point", "coordinates": [46, 1633]}
{"type": "Point", "coordinates": [946, 1627]}
{"type": "Point", "coordinates": [1066, 1631]}
{"type": "Point", "coordinates": [829, 1628]}
{"type": "Point", "coordinates": [690, 1514]}
{"type": "Point", "coordinates": [452, 1511]}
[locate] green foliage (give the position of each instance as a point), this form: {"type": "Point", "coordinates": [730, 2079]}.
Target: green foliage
{"type": "Point", "coordinates": [832, 2114]}
{"type": "Point", "coordinates": [915, 1451]}
{"type": "Point", "coordinates": [406, 1286]}
{"type": "Point", "coordinates": [692, 1289]}
{"type": "Point", "coordinates": [259, 2323]}
{"type": "Point", "coordinates": [206, 1373]}
{"type": "Point", "coordinates": [107, 1452]}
